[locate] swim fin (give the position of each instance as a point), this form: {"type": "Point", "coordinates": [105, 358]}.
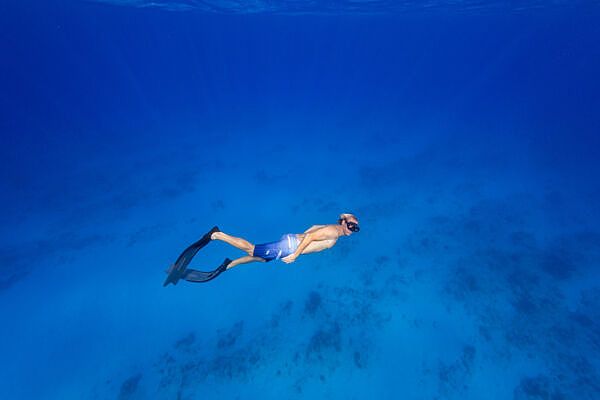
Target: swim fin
{"type": "Point", "coordinates": [191, 275]}
{"type": "Point", "coordinates": [177, 270]}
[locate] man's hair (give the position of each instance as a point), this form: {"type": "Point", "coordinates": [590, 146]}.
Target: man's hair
{"type": "Point", "coordinates": [345, 216]}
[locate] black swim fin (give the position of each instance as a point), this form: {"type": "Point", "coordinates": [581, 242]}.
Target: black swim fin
{"type": "Point", "coordinates": [177, 270]}
{"type": "Point", "coordinates": [191, 275]}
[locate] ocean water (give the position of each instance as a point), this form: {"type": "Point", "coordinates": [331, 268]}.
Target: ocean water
{"type": "Point", "coordinates": [464, 135]}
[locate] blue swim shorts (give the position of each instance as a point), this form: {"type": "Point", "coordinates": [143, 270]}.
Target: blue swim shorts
{"type": "Point", "coordinates": [279, 249]}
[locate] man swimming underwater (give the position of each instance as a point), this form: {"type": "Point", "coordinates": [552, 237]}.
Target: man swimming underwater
{"type": "Point", "coordinates": [287, 249]}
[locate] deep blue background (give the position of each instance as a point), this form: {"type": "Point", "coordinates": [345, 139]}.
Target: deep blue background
{"type": "Point", "coordinates": [463, 141]}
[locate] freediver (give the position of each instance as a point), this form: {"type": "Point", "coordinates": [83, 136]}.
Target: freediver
{"type": "Point", "coordinates": [287, 249]}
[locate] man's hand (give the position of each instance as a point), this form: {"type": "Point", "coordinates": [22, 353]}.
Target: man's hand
{"type": "Point", "coordinates": [289, 259]}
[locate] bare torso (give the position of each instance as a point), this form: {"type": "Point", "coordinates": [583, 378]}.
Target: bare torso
{"type": "Point", "coordinates": [319, 245]}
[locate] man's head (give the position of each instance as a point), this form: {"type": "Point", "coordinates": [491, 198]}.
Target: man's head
{"type": "Point", "coordinates": [349, 222]}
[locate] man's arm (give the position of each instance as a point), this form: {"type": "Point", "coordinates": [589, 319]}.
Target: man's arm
{"type": "Point", "coordinates": [323, 233]}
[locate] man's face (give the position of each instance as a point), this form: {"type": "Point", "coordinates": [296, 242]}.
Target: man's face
{"type": "Point", "coordinates": [349, 223]}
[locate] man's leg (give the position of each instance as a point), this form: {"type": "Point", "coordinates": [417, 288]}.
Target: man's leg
{"type": "Point", "coordinates": [245, 260]}
{"type": "Point", "coordinates": [240, 243]}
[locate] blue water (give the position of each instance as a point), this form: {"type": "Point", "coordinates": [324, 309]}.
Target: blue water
{"type": "Point", "coordinates": [465, 136]}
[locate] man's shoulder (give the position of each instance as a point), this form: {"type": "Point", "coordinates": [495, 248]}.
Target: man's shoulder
{"type": "Point", "coordinates": [332, 229]}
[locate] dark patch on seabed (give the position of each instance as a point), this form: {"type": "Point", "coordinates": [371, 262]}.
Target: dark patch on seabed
{"type": "Point", "coordinates": [129, 387]}
{"type": "Point", "coordinates": [454, 377]}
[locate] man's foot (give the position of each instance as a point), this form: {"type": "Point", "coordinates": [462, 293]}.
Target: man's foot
{"type": "Point", "coordinates": [225, 265]}
{"type": "Point", "coordinates": [214, 233]}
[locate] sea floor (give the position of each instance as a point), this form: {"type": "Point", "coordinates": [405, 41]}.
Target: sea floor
{"type": "Point", "coordinates": [475, 274]}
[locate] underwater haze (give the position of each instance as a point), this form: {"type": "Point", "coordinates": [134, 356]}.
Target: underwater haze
{"type": "Point", "coordinates": [464, 135]}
